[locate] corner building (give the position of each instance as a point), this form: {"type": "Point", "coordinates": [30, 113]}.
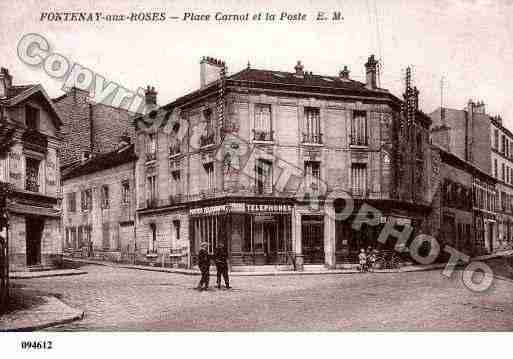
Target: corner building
{"type": "Point", "coordinates": [258, 159]}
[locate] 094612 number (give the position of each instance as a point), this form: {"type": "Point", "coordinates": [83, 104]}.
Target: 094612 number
{"type": "Point", "coordinates": [35, 344]}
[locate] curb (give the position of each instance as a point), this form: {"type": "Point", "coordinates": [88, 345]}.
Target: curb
{"type": "Point", "coordinates": [194, 272]}
{"type": "Point", "coordinates": [78, 315]}
{"type": "Point", "coordinates": [23, 275]}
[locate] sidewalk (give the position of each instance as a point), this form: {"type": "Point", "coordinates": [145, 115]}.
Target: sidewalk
{"type": "Point", "coordinates": [45, 273]}
{"type": "Point", "coordinates": [48, 311]}
{"type": "Point", "coordinates": [307, 271]}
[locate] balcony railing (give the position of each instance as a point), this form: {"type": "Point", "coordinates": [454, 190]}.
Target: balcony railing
{"type": "Point", "coordinates": [312, 138]}
{"type": "Point", "coordinates": [259, 135]}
{"type": "Point", "coordinates": [358, 192]}
{"type": "Point", "coordinates": [358, 141]}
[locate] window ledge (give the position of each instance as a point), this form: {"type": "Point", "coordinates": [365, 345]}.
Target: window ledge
{"type": "Point", "coordinates": [312, 144]}
{"type": "Point", "coordinates": [152, 255]}
{"type": "Point", "coordinates": [263, 142]}
{"type": "Point", "coordinates": [175, 155]}
{"type": "Point", "coordinates": [358, 146]}
{"type": "Point", "coordinates": [150, 162]}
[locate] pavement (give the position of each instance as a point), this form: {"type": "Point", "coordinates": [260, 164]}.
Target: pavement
{"type": "Point", "coordinates": [48, 312]}
{"type": "Point", "coordinates": [313, 270]}
{"type": "Point", "coordinates": [45, 273]}
{"type": "Point", "coordinates": [257, 271]}
{"type": "Point", "coordinates": [121, 299]}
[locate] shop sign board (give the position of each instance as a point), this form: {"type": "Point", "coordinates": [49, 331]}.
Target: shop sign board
{"type": "Point", "coordinates": [241, 208]}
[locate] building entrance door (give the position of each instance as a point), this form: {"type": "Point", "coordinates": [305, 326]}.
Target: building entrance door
{"type": "Point", "coordinates": [312, 239]}
{"type": "Point", "coordinates": [34, 232]}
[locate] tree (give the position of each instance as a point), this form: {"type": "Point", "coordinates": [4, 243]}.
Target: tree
{"type": "Point", "coordinates": [6, 142]}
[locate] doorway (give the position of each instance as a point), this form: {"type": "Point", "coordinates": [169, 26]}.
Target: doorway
{"type": "Point", "coordinates": [312, 239]}
{"type": "Point", "coordinates": [266, 238]}
{"type": "Point", "coordinates": [34, 229]}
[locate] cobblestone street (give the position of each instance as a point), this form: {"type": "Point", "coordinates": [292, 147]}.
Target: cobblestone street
{"type": "Point", "coordinates": [127, 299]}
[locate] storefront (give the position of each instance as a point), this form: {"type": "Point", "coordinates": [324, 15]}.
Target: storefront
{"type": "Point", "coordinates": [254, 233]}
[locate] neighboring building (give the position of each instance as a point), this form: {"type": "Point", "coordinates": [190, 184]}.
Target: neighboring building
{"type": "Point", "coordinates": [90, 128]}
{"type": "Point", "coordinates": [466, 195]}
{"type": "Point", "coordinates": [99, 205]}
{"type": "Point", "coordinates": [214, 166]}
{"type": "Point", "coordinates": [480, 139]}
{"type": "Point", "coordinates": [502, 170]}
{"type": "Point", "coordinates": [32, 167]}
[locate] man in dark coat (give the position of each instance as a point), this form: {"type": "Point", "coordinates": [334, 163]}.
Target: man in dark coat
{"type": "Point", "coordinates": [204, 266]}
{"type": "Point", "coordinates": [221, 259]}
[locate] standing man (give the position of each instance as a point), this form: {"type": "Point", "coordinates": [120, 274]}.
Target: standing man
{"type": "Point", "coordinates": [221, 259]}
{"type": "Point", "coordinates": [204, 266]}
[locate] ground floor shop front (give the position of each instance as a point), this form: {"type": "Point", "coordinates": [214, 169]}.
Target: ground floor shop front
{"type": "Point", "coordinates": [287, 233]}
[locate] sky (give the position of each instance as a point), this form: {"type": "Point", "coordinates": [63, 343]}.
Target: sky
{"type": "Point", "coordinates": [468, 43]}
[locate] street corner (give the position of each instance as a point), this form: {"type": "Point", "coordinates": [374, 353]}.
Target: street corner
{"type": "Point", "coordinates": [31, 312]}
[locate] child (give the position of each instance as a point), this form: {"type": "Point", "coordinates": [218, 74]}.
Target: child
{"type": "Point", "coordinates": [362, 257]}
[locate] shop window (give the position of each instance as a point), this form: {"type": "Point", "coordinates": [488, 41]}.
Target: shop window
{"type": "Point", "coordinates": [105, 236]}
{"type": "Point", "coordinates": [263, 123]}
{"type": "Point", "coordinates": [31, 117]}
{"type": "Point", "coordinates": [359, 128]}
{"type": "Point", "coordinates": [263, 176]}
{"type": "Point", "coordinates": [73, 237]}
{"type": "Point", "coordinates": [359, 179]}
{"type": "Point", "coordinates": [312, 127]}
{"type": "Point", "coordinates": [105, 196]}
{"type": "Point", "coordinates": [176, 226]}
{"type": "Point", "coordinates": [32, 174]}
{"type": "Point", "coordinates": [125, 192]}
{"type": "Point", "coordinates": [152, 245]}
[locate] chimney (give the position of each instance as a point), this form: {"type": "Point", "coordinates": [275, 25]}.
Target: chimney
{"type": "Point", "coordinates": [299, 69]}
{"type": "Point", "coordinates": [150, 98]}
{"type": "Point", "coordinates": [371, 73]}
{"type": "Point", "coordinates": [344, 74]}
{"type": "Point", "coordinates": [210, 70]}
{"type": "Point", "coordinates": [5, 82]}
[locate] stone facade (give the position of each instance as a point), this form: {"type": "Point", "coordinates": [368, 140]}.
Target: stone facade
{"type": "Point", "coordinates": [32, 168]}
{"type": "Point", "coordinates": [201, 163]}
{"type": "Point", "coordinates": [99, 206]}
